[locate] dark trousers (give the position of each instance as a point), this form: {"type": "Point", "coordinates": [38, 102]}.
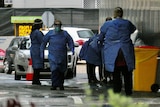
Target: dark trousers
{"type": "Point", "coordinates": [119, 72]}
{"type": "Point", "coordinates": [91, 72]}
{"type": "Point", "coordinates": [108, 76]}
{"type": "Point", "coordinates": [57, 78]}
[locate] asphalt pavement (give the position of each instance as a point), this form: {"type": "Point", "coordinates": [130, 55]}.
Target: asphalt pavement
{"type": "Point", "coordinates": [73, 95]}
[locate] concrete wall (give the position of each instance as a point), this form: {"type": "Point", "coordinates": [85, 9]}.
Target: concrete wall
{"type": "Point", "coordinates": [143, 13]}
{"type": "Point", "coordinates": [47, 4]}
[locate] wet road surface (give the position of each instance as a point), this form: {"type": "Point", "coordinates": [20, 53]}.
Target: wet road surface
{"type": "Point", "coordinates": [74, 94]}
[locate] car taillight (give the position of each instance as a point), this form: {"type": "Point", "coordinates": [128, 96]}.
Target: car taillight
{"type": "Point", "coordinates": [80, 42]}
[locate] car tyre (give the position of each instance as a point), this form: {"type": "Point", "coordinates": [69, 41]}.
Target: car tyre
{"type": "Point", "coordinates": [1, 70]}
{"type": "Point", "coordinates": [7, 67]}
{"type": "Point", "coordinates": [17, 77]}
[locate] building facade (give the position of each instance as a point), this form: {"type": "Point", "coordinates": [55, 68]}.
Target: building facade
{"type": "Point", "coordinates": [145, 14]}
{"type": "Point", "coordinates": [54, 3]}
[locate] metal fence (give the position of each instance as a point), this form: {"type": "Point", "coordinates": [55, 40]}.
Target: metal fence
{"type": "Point", "coordinates": [88, 18]}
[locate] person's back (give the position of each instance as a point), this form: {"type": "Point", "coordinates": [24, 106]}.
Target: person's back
{"type": "Point", "coordinates": [119, 56]}
{"type": "Point", "coordinates": [118, 29]}
{"type": "Point", "coordinates": [117, 36]}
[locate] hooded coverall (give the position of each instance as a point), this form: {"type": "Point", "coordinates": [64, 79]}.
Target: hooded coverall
{"type": "Point", "coordinates": [58, 42]}
{"type": "Point", "coordinates": [117, 38]}
{"type": "Point", "coordinates": [91, 52]}
{"type": "Point", "coordinates": [37, 62]}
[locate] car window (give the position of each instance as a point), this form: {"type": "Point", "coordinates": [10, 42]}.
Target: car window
{"type": "Point", "coordinates": [25, 43]}
{"type": "Point", "coordinates": [85, 33]}
{"type": "Point", "coordinates": [15, 41]}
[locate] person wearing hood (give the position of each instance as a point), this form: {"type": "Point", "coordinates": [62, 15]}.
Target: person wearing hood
{"type": "Point", "coordinates": [36, 37]}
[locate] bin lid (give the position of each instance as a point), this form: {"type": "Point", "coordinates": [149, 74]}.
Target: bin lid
{"type": "Point", "coordinates": [148, 47]}
{"type": "Point", "coordinates": [145, 53]}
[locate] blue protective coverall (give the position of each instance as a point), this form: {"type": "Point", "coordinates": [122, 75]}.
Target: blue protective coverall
{"type": "Point", "coordinates": [117, 36]}
{"type": "Point", "coordinates": [58, 42]}
{"type": "Point", "coordinates": [36, 40]}
{"type": "Point", "coordinates": [91, 52]}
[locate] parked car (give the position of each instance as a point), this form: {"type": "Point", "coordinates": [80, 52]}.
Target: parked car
{"type": "Point", "coordinates": [79, 35]}
{"type": "Point", "coordinates": [2, 55]}
{"type": "Point", "coordinates": [9, 56]}
{"type": "Point", "coordinates": [22, 58]}
{"type": "Point", "coordinates": [18, 55]}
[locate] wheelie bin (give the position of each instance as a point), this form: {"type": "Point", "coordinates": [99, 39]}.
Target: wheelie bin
{"type": "Point", "coordinates": [146, 68]}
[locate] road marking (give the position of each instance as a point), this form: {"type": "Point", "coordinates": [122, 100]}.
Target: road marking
{"type": "Point", "coordinates": [3, 93]}
{"type": "Point", "coordinates": [77, 99]}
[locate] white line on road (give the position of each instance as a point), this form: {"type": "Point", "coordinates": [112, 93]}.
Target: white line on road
{"type": "Point", "coordinates": [77, 99]}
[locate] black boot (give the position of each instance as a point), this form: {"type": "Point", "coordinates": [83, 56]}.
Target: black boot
{"type": "Point", "coordinates": [36, 76]}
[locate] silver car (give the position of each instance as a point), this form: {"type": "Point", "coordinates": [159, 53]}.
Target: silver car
{"type": "Point", "coordinates": [22, 58]}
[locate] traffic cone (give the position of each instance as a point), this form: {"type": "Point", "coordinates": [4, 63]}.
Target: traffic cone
{"type": "Point", "coordinates": [29, 74]}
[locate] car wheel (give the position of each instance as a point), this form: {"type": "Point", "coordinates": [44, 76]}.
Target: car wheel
{"type": "Point", "coordinates": [17, 77]}
{"type": "Point", "coordinates": [1, 70]}
{"type": "Point", "coordinates": [7, 67]}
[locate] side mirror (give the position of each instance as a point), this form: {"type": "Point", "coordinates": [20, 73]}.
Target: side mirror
{"type": "Point", "coordinates": [76, 44]}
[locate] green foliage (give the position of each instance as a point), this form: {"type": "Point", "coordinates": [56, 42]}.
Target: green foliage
{"type": "Point", "coordinates": [114, 100]}
{"type": "Point", "coordinates": [117, 100]}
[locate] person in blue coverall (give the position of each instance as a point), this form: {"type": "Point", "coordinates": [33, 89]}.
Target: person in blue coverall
{"type": "Point", "coordinates": [119, 56]}
{"type": "Point", "coordinates": [58, 40]}
{"type": "Point", "coordinates": [91, 53]}
{"type": "Point", "coordinates": [36, 37]}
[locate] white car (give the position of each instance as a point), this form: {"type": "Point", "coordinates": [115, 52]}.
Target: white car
{"type": "Point", "coordinates": [79, 35]}
{"type": "Point", "coordinates": [22, 58]}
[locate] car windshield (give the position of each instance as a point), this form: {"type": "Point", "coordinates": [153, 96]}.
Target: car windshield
{"type": "Point", "coordinates": [85, 33]}
{"type": "Point", "coordinates": [25, 44]}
